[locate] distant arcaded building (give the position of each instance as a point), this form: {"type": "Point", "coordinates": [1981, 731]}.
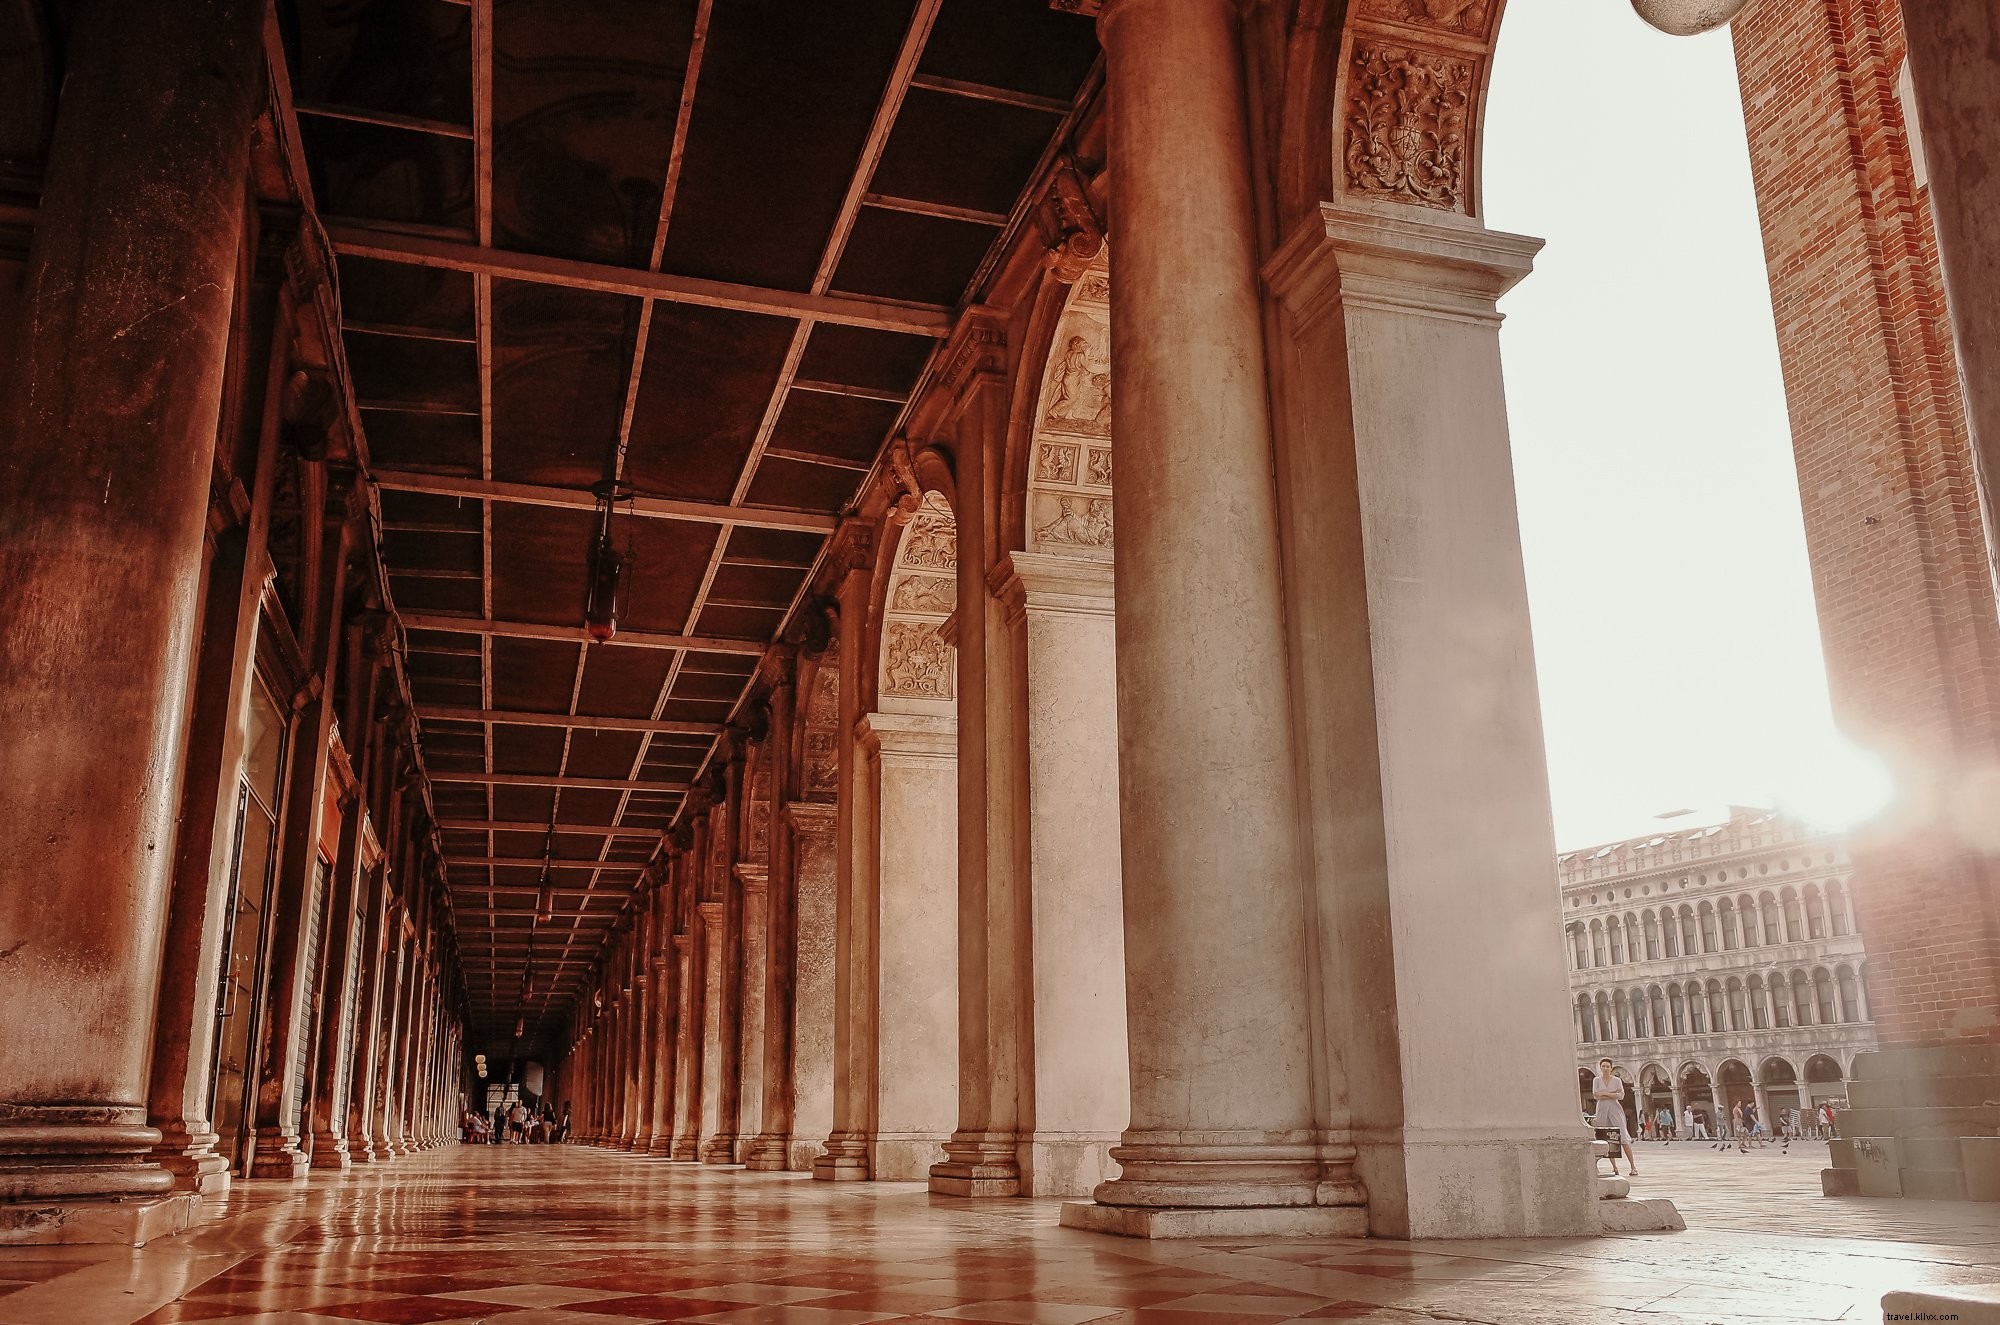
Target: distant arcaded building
{"type": "Point", "coordinates": [1718, 965]}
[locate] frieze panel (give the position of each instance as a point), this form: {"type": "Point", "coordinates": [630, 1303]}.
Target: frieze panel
{"type": "Point", "coordinates": [1094, 288]}
{"type": "Point", "coordinates": [1074, 521]}
{"type": "Point", "coordinates": [931, 544]}
{"type": "Point", "coordinates": [1407, 118]}
{"type": "Point", "coordinates": [925, 593]}
{"type": "Point", "coordinates": [822, 770]}
{"type": "Point", "coordinates": [1099, 472]}
{"type": "Point", "coordinates": [1056, 463]}
{"type": "Point", "coordinates": [917, 662]}
{"type": "Point", "coordinates": [1079, 386]}
{"type": "Point", "coordinates": [1449, 15]}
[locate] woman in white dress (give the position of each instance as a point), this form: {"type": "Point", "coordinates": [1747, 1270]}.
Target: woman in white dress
{"type": "Point", "coordinates": [1609, 1091]}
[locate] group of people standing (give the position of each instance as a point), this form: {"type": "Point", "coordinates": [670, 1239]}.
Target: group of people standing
{"type": "Point", "coordinates": [517, 1124]}
{"type": "Point", "coordinates": [1746, 1126]}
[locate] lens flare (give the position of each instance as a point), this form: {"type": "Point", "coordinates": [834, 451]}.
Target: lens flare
{"type": "Point", "coordinates": [1837, 785]}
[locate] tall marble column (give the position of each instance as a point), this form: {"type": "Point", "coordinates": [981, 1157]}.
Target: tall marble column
{"type": "Point", "coordinates": [645, 996]}
{"type": "Point", "coordinates": [844, 1157]}
{"type": "Point", "coordinates": [346, 916]}
{"type": "Point", "coordinates": [666, 1010]}
{"type": "Point", "coordinates": [770, 1149]}
{"type": "Point", "coordinates": [726, 1044]}
{"type": "Point", "coordinates": [107, 432]}
{"type": "Point", "coordinates": [816, 874]}
{"type": "Point", "coordinates": [1082, 1090]}
{"type": "Point", "coordinates": [633, 967]}
{"type": "Point", "coordinates": [1222, 1134]}
{"type": "Point", "coordinates": [395, 973]}
{"type": "Point", "coordinates": [750, 1035]}
{"type": "Point", "coordinates": [200, 916]}
{"type": "Point", "coordinates": [995, 1074]}
{"type": "Point", "coordinates": [694, 985]}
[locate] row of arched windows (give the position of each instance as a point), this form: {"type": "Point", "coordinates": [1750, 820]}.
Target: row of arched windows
{"type": "Point", "coordinates": [1762, 1002]}
{"type": "Point", "coordinates": [1790, 915]}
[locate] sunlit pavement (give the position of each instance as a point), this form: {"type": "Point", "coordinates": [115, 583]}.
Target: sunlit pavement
{"type": "Point", "coordinates": [573, 1236]}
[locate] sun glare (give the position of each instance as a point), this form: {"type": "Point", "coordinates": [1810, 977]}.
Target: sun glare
{"type": "Point", "coordinates": [1836, 785]}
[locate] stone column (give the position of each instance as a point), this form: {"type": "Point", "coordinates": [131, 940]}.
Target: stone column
{"type": "Point", "coordinates": [726, 985]}
{"type": "Point", "coordinates": [750, 1056]}
{"type": "Point", "coordinates": [1411, 602]}
{"type": "Point", "coordinates": [331, 1079]}
{"type": "Point", "coordinates": [812, 1025]}
{"type": "Point", "coordinates": [1082, 1091]}
{"type": "Point", "coordinates": [995, 1076]}
{"type": "Point", "coordinates": [107, 433]}
{"type": "Point", "coordinates": [644, 999]}
{"type": "Point", "coordinates": [707, 1099]}
{"type": "Point", "coordinates": [377, 958]}
{"type": "Point", "coordinates": [200, 917]}
{"type": "Point", "coordinates": [1221, 1056]}
{"type": "Point", "coordinates": [694, 986]}
{"type": "Point", "coordinates": [770, 1149]}
{"type": "Point", "coordinates": [916, 1026]}
{"type": "Point", "coordinates": [844, 1157]}
{"type": "Point", "coordinates": [666, 1009]}
{"type": "Point", "coordinates": [633, 966]}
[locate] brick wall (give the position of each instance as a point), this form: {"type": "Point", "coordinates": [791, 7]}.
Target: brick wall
{"type": "Point", "coordinates": [1899, 563]}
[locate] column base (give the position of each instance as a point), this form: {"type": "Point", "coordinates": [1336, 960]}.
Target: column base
{"type": "Point", "coordinates": [845, 1159]}
{"type": "Point", "coordinates": [191, 1158]}
{"type": "Point", "coordinates": [903, 1156]}
{"type": "Point", "coordinates": [1248, 1221]}
{"type": "Point", "coordinates": [978, 1164]}
{"type": "Point", "coordinates": [362, 1153]}
{"type": "Point", "coordinates": [719, 1149]}
{"type": "Point", "coordinates": [662, 1147]}
{"type": "Point", "coordinates": [132, 1223]}
{"type": "Point", "coordinates": [1069, 1163]}
{"type": "Point", "coordinates": [686, 1150]}
{"type": "Point", "coordinates": [1440, 1183]}
{"type": "Point", "coordinates": [330, 1152]}
{"type": "Point", "coordinates": [768, 1153]}
{"type": "Point", "coordinates": [278, 1156]}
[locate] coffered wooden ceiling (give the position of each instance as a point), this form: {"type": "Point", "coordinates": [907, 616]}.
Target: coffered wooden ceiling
{"type": "Point", "coordinates": [702, 248]}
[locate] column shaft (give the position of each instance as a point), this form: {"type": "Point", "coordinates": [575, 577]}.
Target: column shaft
{"type": "Point", "coordinates": [720, 1146]}
{"type": "Point", "coordinates": [107, 436]}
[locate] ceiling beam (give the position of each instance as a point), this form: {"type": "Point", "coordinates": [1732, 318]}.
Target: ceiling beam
{"type": "Point", "coordinates": [582, 721]}
{"type": "Point", "coordinates": [1003, 96]}
{"type": "Point", "coordinates": [530, 826]}
{"type": "Point", "coordinates": [556, 780]}
{"type": "Point", "coordinates": [535, 862]}
{"type": "Point", "coordinates": [361, 241]}
{"type": "Point", "coordinates": [582, 499]}
{"type": "Point", "coordinates": [384, 119]}
{"type": "Point", "coordinates": [633, 639]}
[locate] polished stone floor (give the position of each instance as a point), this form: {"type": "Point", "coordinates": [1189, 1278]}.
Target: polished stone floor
{"type": "Point", "coordinates": [528, 1235]}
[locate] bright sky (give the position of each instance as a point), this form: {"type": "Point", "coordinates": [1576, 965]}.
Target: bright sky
{"type": "Point", "coordinates": [1673, 611]}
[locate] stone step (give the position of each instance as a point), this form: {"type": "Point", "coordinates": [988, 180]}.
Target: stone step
{"type": "Point", "coordinates": [1653, 1214]}
{"type": "Point", "coordinates": [1968, 1304]}
{"type": "Point", "coordinates": [1612, 1189]}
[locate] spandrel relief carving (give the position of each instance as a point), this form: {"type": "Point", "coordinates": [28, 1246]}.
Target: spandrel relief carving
{"type": "Point", "coordinates": [931, 544]}
{"type": "Point", "coordinates": [1406, 125]}
{"type": "Point", "coordinates": [925, 593]}
{"type": "Point", "coordinates": [1079, 389]}
{"type": "Point", "coordinates": [918, 662]}
{"type": "Point", "coordinates": [1056, 463]}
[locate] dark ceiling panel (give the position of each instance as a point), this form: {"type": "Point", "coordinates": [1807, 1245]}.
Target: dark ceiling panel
{"type": "Point", "coordinates": [397, 294]}
{"type": "Point", "coordinates": [595, 754]}
{"type": "Point", "coordinates": [526, 804]}
{"type": "Point", "coordinates": [404, 371]}
{"type": "Point", "coordinates": [533, 676]}
{"type": "Point", "coordinates": [441, 443]}
{"type": "Point", "coordinates": [669, 559]}
{"type": "Point", "coordinates": [408, 57]}
{"type": "Point", "coordinates": [584, 102]}
{"type": "Point", "coordinates": [962, 152]}
{"type": "Point", "coordinates": [1025, 45]}
{"type": "Point", "coordinates": [527, 749]}
{"type": "Point", "coordinates": [418, 593]}
{"type": "Point", "coordinates": [372, 172]}
{"type": "Point", "coordinates": [707, 381]}
{"type": "Point", "coordinates": [784, 545]}
{"type": "Point", "coordinates": [849, 427]}
{"type": "Point", "coordinates": [794, 484]}
{"type": "Point", "coordinates": [899, 255]}
{"type": "Point", "coordinates": [561, 359]}
{"type": "Point", "coordinates": [623, 683]}
{"type": "Point", "coordinates": [791, 88]}
{"type": "Point", "coordinates": [858, 356]}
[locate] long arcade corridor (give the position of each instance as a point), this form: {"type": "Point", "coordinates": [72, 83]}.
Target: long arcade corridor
{"type": "Point", "coordinates": [571, 1235]}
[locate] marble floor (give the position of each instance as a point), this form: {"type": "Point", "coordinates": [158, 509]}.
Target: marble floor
{"type": "Point", "coordinates": [533, 1235]}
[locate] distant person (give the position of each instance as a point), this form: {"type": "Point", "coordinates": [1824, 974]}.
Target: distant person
{"type": "Point", "coordinates": [1826, 1122]}
{"type": "Point", "coordinates": [499, 1123]}
{"type": "Point", "coordinates": [1608, 1089]}
{"type": "Point", "coordinates": [517, 1123]}
{"type": "Point", "coordinates": [1664, 1124]}
{"type": "Point", "coordinates": [562, 1132]}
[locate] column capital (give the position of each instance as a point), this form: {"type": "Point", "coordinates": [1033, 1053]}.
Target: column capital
{"type": "Point", "coordinates": [1401, 262]}
{"type": "Point", "coordinates": [1037, 581]}
{"type": "Point", "coordinates": [909, 735]}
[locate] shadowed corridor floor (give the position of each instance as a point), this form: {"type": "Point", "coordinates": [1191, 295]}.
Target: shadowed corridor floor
{"type": "Point", "coordinates": [528, 1235]}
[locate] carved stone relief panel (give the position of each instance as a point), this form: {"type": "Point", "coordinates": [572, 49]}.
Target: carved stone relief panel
{"type": "Point", "coordinates": [822, 756]}
{"type": "Point", "coordinates": [1407, 121]}
{"type": "Point", "coordinates": [1069, 482]}
{"type": "Point", "coordinates": [1451, 15]}
{"type": "Point", "coordinates": [917, 663]}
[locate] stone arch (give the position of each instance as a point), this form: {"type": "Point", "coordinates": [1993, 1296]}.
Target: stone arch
{"type": "Point", "coordinates": [917, 669]}
{"type": "Point", "coordinates": [1068, 494]}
